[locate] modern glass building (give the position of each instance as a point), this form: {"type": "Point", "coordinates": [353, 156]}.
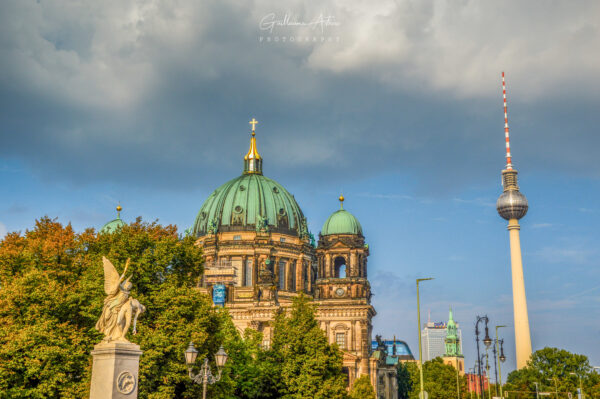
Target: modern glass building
{"type": "Point", "coordinates": [433, 337]}
{"type": "Point", "coordinates": [397, 350]}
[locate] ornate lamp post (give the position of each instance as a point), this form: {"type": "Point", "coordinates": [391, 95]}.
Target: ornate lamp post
{"type": "Point", "coordinates": [422, 394]}
{"type": "Point", "coordinates": [487, 341]}
{"type": "Point", "coordinates": [501, 359]}
{"type": "Point", "coordinates": [205, 376]}
{"type": "Point", "coordinates": [555, 385]}
{"type": "Point", "coordinates": [487, 372]}
{"type": "Point", "coordinates": [497, 362]}
{"type": "Point", "coordinates": [580, 393]}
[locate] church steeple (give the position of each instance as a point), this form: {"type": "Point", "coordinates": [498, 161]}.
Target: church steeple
{"type": "Point", "coordinates": [452, 340]}
{"type": "Point", "coordinates": [253, 160]}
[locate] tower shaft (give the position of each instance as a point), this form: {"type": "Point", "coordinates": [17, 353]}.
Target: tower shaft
{"type": "Point", "coordinates": [522, 334]}
{"type": "Point", "coordinates": [512, 206]}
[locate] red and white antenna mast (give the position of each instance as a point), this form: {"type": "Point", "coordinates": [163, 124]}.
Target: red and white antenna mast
{"type": "Point", "coordinates": [507, 136]}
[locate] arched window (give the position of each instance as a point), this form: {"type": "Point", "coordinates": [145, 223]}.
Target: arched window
{"type": "Point", "coordinates": [340, 267]}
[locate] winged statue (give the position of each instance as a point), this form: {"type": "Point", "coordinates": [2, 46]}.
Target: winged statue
{"type": "Point", "coordinates": [119, 308]}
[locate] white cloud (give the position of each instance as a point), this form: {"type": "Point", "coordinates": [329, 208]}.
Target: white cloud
{"type": "Point", "coordinates": [113, 54]}
{"type": "Point", "coordinates": [567, 255]}
{"type": "Point", "coordinates": [542, 225]}
{"type": "Point", "coordinates": [463, 46]}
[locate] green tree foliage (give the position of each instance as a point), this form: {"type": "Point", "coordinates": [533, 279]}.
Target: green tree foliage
{"type": "Point", "coordinates": [309, 367]}
{"type": "Point", "coordinates": [552, 369]}
{"type": "Point", "coordinates": [249, 372]}
{"type": "Point", "coordinates": [439, 380]}
{"type": "Point", "coordinates": [362, 388]}
{"type": "Point", "coordinates": [51, 296]}
{"type": "Point", "coordinates": [405, 380]}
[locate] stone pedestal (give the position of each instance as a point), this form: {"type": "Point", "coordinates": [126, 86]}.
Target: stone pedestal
{"type": "Point", "coordinates": [115, 371]}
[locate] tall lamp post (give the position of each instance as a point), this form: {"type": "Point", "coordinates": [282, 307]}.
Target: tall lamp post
{"type": "Point", "coordinates": [487, 373]}
{"type": "Point", "coordinates": [476, 383]}
{"type": "Point", "coordinates": [497, 361]}
{"type": "Point", "coordinates": [555, 385]}
{"type": "Point", "coordinates": [502, 359]}
{"type": "Point", "coordinates": [486, 340]}
{"type": "Point", "coordinates": [205, 376]}
{"type": "Point", "coordinates": [422, 392]}
{"type": "Point", "coordinates": [580, 393]}
{"type": "Point", "coordinates": [487, 368]}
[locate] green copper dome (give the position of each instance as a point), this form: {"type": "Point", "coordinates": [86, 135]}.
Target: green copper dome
{"type": "Point", "coordinates": [113, 224]}
{"type": "Point", "coordinates": [341, 222]}
{"type": "Point", "coordinates": [251, 202]}
{"type": "Point", "coordinates": [247, 203]}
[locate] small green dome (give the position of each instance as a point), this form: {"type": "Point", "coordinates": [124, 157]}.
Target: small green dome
{"type": "Point", "coordinates": [113, 225]}
{"type": "Point", "coordinates": [248, 203]}
{"type": "Point", "coordinates": [341, 222]}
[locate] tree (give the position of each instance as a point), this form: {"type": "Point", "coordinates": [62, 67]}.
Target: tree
{"type": "Point", "coordinates": [309, 367]}
{"type": "Point", "coordinates": [51, 296]}
{"type": "Point", "coordinates": [403, 372]}
{"type": "Point", "coordinates": [439, 380]}
{"type": "Point", "coordinates": [362, 388]}
{"type": "Point", "coordinates": [554, 369]}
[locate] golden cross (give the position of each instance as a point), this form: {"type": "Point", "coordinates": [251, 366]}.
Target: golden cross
{"type": "Point", "coordinates": [253, 122]}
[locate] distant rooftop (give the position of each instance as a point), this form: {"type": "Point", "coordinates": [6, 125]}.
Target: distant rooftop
{"type": "Point", "coordinates": [402, 350]}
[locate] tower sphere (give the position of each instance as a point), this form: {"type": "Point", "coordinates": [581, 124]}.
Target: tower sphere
{"type": "Point", "coordinates": [512, 205]}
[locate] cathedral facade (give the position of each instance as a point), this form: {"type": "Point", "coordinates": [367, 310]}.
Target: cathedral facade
{"type": "Point", "coordinates": [260, 255]}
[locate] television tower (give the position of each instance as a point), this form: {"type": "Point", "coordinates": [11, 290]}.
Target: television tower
{"type": "Point", "coordinates": [512, 206]}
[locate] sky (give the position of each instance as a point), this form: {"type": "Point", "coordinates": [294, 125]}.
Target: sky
{"type": "Point", "coordinates": [395, 104]}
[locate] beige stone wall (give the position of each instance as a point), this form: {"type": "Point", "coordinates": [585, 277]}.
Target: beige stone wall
{"type": "Point", "coordinates": [348, 313]}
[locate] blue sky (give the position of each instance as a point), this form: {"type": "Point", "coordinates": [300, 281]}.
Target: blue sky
{"type": "Point", "coordinates": [399, 107]}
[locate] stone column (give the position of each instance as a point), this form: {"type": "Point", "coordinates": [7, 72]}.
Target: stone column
{"type": "Point", "coordinates": [300, 275]}
{"type": "Point", "coordinates": [115, 370]}
{"type": "Point", "coordinates": [244, 260]}
{"type": "Point", "coordinates": [353, 266]}
{"type": "Point", "coordinates": [255, 270]}
{"type": "Point", "coordinates": [276, 271]}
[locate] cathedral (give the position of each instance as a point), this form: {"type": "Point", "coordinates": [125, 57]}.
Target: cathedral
{"type": "Point", "coordinates": [260, 255]}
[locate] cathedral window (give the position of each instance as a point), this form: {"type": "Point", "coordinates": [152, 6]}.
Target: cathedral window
{"type": "Point", "coordinates": [282, 239]}
{"type": "Point", "coordinates": [282, 275]}
{"type": "Point", "coordinates": [248, 271]}
{"type": "Point", "coordinates": [237, 238]}
{"type": "Point", "coordinates": [340, 267]}
{"type": "Point", "coordinates": [340, 340]}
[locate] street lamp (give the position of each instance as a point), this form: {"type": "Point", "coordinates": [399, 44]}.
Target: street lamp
{"type": "Point", "coordinates": [472, 373]}
{"type": "Point", "coordinates": [580, 384]}
{"type": "Point", "coordinates": [537, 391]}
{"type": "Point", "coordinates": [422, 393]}
{"type": "Point", "coordinates": [487, 341]}
{"type": "Point", "coordinates": [555, 385]}
{"type": "Point", "coordinates": [205, 376]}
{"type": "Point", "coordinates": [497, 360]}
{"type": "Point", "coordinates": [487, 373]}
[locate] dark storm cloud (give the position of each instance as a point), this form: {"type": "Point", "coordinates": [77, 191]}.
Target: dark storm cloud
{"type": "Point", "coordinates": [156, 95]}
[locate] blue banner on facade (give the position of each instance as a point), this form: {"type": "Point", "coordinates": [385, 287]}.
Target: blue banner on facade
{"type": "Point", "coordinates": [219, 294]}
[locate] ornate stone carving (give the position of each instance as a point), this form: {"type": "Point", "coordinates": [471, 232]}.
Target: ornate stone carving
{"type": "Point", "coordinates": [125, 382]}
{"type": "Point", "coordinates": [262, 224]}
{"type": "Point", "coordinates": [119, 309]}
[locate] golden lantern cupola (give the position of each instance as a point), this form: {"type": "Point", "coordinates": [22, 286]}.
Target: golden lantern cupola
{"type": "Point", "coordinates": [253, 160]}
